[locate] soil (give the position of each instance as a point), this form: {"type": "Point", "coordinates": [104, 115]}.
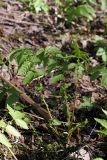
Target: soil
{"type": "Point", "coordinates": [20, 27]}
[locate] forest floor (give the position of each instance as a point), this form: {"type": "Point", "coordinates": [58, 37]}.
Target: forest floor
{"type": "Point", "coordinates": [20, 27]}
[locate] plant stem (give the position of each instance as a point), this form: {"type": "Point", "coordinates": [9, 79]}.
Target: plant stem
{"type": "Point", "coordinates": [12, 153]}
{"type": "Point", "coordinates": [47, 107]}
{"type": "Point", "coordinates": [41, 111]}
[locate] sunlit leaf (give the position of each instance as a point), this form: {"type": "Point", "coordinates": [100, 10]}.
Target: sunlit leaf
{"type": "Point", "coordinates": [15, 114]}
{"type": "Point", "coordinates": [103, 122]}
{"type": "Point", "coordinates": [4, 140]}
{"type": "Point", "coordinates": [29, 77]}
{"type": "Point", "coordinates": [2, 124]}
{"type": "Point", "coordinates": [57, 78]}
{"type": "Point", "coordinates": [21, 123]}
{"type": "Point", "coordinates": [105, 112]}
{"type": "Point", "coordinates": [55, 122]}
{"type": "Point", "coordinates": [11, 130]}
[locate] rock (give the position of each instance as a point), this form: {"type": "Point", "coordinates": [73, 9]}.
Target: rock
{"type": "Point", "coordinates": [81, 154]}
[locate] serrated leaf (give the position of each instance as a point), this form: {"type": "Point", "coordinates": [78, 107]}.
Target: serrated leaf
{"type": "Point", "coordinates": [105, 112]}
{"type": "Point", "coordinates": [14, 53]}
{"type": "Point", "coordinates": [29, 77]}
{"type": "Point", "coordinates": [34, 59]}
{"type": "Point", "coordinates": [104, 79]}
{"type": "Point", "coordinates": [19, 52]}
{"type": "Point", "coordinates": [71, 66]}
{"type": "Point", "coordinates": [4, 140]}
{"type": "Point", "coordinates": [57, 78]}
{"type": "Point", "coordinates": [39, 72]}
{"type": "Point", "coordinates": [55, 122]}
{"type": "Point", "coordinates": [2, 124]}
{"type": "Point", "coordinates": [103, 122]}
{"type": "Point", "coordinates": [11, 130]}
{"type": "Point", "coordinates": [86, 11]}
{"type": "Point", "coordinates": [52, 51]}
{"type": "Point", "coordinates": [24, 68]}
{"type": "Point", "coordinates": [15, 114]}
{"type": "Point", "coordinates": [21, 123]}
{"type": "Point", "coordinates": [21, 58]}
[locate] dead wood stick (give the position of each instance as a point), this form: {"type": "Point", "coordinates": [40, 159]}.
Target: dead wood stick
{"type": "Point", "coordinates": [39, 110]}
{"type": "Point", "coordinates": [5, 20]}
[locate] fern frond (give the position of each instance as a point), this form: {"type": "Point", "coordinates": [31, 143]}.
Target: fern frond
{"type": "Point", "coordinates": [29, 77]}
{"type": "Point", "coordinates": [57, 78]}
{"type": "Point", "coordinates": [24, 68]}
{"type": "Point", "coordinates": [19, 51]}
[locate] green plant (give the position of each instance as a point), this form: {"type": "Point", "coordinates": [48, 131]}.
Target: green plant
{"type": "Point", "coordinates": [87, 103]}
{"type": "Point", "coordinates": [103, 123]}
{"type": "Point", "coordinates": [47, 62]}
{"type": "Point", "coordinates": [14, 113]}
{"type": "Point", "coordinates": [37, 5]}
{"type": "Point", "coordinates": [100, 70]}
{"type": "Point", "coordinates": [72, 9]}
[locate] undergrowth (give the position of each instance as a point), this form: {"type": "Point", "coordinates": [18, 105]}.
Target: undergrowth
{"type": "Point", "coordinates": [63, 71]}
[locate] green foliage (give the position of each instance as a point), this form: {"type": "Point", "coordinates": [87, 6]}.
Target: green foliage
{"type": "Point", "coordinates": [4, 140]}
{"type": "Point", "coordinates": [80, 11]}
{"type": "Point", "coordinates": [18, 117]}
{"type": "Point", "coordinates": [69, 9]}
{"type": "Point", "coordinates": [72, 9]}
{"type": "Point", "coordinates": [77, 126]}
{"type": "Point", "coordinates": [100, 70]}
{"type": "Point", "coordinates": [37, 5]}
{"type": "Point", "coordinates": [49, 61]}
{"type": "Point", "coordinates": [103, 123]}
{"type": "Point", "coordinates": [87, 103]}
{"type": "Point", "coordinates": [55, 122]}
{"type": "Point", "coordinates": [57, 78]}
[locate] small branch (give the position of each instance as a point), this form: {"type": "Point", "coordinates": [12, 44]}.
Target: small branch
{"type": "Point", "coordinates": [11, 22]}
{"type": "Point", "coordinates": [39, 110]}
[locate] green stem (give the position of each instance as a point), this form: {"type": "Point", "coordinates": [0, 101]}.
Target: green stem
{"type": "Point", "coordinates": [12, 153]}
{"type": "Point", "coordinates": [47, 107]}
{"type": "Point", "coordinates": [54, 129]}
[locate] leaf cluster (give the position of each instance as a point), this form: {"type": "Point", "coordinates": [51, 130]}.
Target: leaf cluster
{"type": "Point", "coordinates": [48, 62]}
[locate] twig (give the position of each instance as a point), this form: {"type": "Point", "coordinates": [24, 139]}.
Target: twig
{"type": "Point", "coordinates": [39, 110]}
{"type": "Point", "coordinates": [5, 21]}
{"type": "Point", "coordinates": [12, 153]}
{"type": "Point", "coordinates": [47, 107]}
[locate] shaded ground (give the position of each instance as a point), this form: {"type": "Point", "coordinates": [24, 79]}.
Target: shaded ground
{"type": "Point", "coordinates": [19, 27]}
